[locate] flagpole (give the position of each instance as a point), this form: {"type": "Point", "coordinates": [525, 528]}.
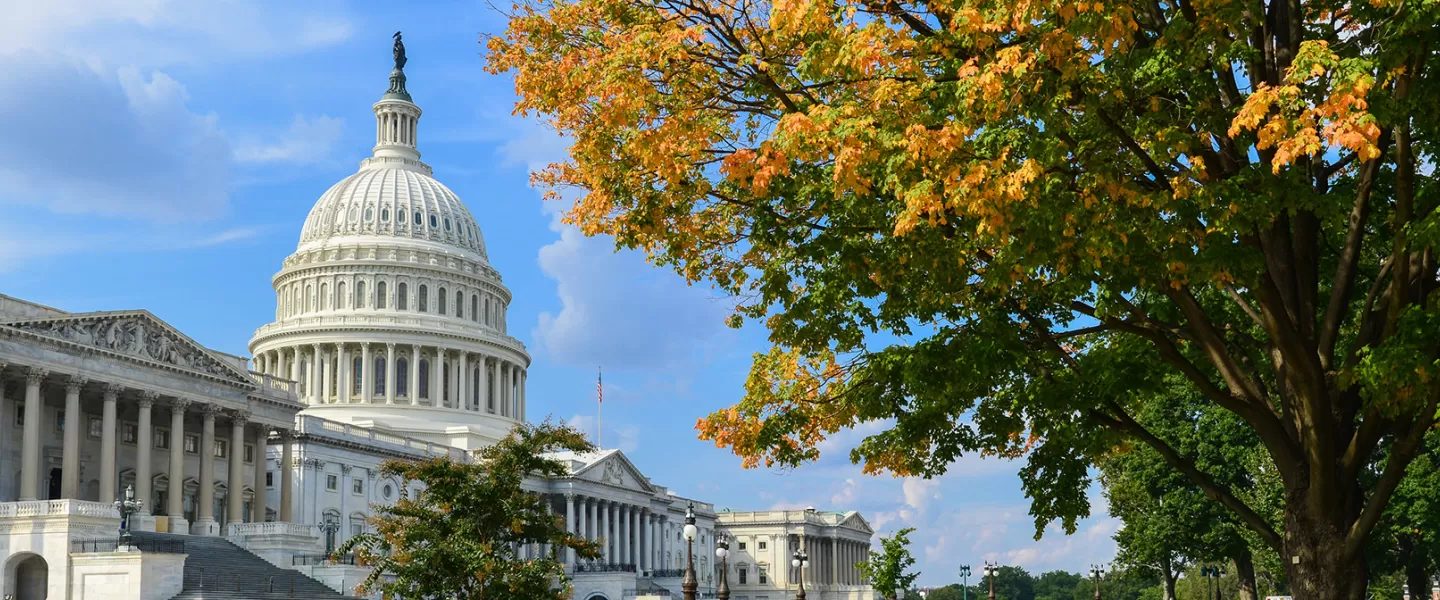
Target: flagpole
{"type": "Point", "coordinates": [599, 404]}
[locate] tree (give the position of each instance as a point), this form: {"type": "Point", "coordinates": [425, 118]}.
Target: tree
{"type": "Point", "coordinates": [950, 592]}
{"type": "Point", "coordinates": [1409, 534]}
{"type": "Point", "coordinates": [993, 225]}
{"type": "Point", "coordinates": [886, 569]}
{"type": "Point", "coordinates": [460, 537]}
{"type": "Point", "coordinates": [1013, 583]}
{"type": "Point", "coordinates": [1056, 585]}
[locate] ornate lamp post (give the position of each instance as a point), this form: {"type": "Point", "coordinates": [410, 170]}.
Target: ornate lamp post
{"type": "Point", "coordinates": [329, 528]}
{"type": "Point", "coordinates": [991, 570]}
{"type": "Point", "coordinates": [1210, 573]}
{"type": "Point", "coordinates": [1095, 572]}
{"type": "Point", "coordinates": [799, 560]}
{"type": "Point", "coordinates": [127, 507]}
{"type": "Point", "coordinates": [722, 551]}
{"type": "Point", "coordinates": [964, 582]}
{"type": "Point", "coordinates": [689, 583]}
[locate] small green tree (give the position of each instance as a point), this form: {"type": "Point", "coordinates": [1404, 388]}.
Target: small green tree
{"type": "Point", "coordinates": [886, 569]}
{"type": "Point", "coordinates": [459, 538]}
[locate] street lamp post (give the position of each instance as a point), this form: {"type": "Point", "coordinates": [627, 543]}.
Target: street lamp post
{"type": "Point", "coordinates": [127, 507]}
{"type": "Point", "coordinates": [991, 570]}
{"type": "Point", "coordinates": [722, 551]}
{"type": "Point", "coordinates": [1096, 571]}
{"type": "Point", "coordinates": [964, 582]}
{"type": "Point", "coordinates": [799, 560]}
{"type": "Point", "coordinates": [1210, 573]}
{"type": "Point", "coordinates": [689, 583]}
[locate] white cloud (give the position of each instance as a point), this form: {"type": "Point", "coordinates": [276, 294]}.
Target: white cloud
{"type": "Point", "coordinates": [119, 142]}
{"type": "Point", "coordinates": [309, 140]}
{"type": "Point", "coordinates": [21, 246]}
{"type": "Point", "coordinates": [845, 496]}
{"type": "Point", "coordinates": [919, 492]}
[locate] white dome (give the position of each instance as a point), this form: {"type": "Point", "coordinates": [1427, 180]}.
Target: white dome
{"type": "Point", "coordinates": [393, 199]}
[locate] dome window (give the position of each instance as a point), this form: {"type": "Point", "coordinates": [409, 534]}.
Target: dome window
{"type": "Point", "coordinates": [402, 301]}
{"type": "Point", "coordinates": [447, 224]}
{"type": "Point", "coordinates": [433, 222]}
{"type": "Point", "coordinates": [369, 213]}
{"type": "Point", "coordinates": [417, 217]}
{"type": "Point", "coordinates": [384, 215]}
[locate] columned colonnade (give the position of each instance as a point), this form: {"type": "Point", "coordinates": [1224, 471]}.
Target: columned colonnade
{"type": "Point", "coordinates": [629, 534]}
{"type": "Point", "coordinates": [838, 559]}
{"type": "Point", "coordinates": [38, 380]}
{"type": "Point", "coordinates": [467, 380]}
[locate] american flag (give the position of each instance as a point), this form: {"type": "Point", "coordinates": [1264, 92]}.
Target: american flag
{"type": "Point", "coordinates": [599, 387]}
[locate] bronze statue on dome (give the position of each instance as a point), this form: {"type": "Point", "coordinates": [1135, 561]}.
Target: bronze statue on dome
{"type": "Point", "coordinates": [399, 52]}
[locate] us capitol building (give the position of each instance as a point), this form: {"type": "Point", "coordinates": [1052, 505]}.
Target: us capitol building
{"type": "Point", "coordinates": [389, 342]}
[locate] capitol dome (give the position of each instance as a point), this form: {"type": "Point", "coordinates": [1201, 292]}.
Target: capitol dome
{"type": "Point", "coordinates": [388, 314]}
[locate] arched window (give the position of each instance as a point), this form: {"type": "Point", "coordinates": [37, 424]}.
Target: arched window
{"type": "Point", "coordinates": [444, 381]}
{"type": "Point", "coordinates": [474, 400]}
{"type": "Point", "coordinates": [297, 305]}
{"type": "Point", "coordinates": [402, 301]}
{"type": "Point", "coordinates": [359, 294]}
{"type": "Point", "coordinates": [308, 307]}
{"type": "Point", "coordinates": [474, 307]}
{"type": "Point", "coordinates": [379, 373]}
{"type": "Point", "coordinates": [417, 217]}
{"type": "Point", "coordinates": [424, 384]}
{"type": "Point", "coordinates": [304, 368]}
{"type": "Point", "coordinates": [442, 301]}
{"type": "Point", "coordinates": [459, 304]}
{"type": "Point", "coordinates": [340, 296]}
{"type": "Point", "coordinates": [424, 299]}
{"type": "Point", "coordinates": [487, 310]}
{"type": "Point", "coordinates": [324, 296]}
{"type": "Point", "coordinates": [356, 373]}
{"type": "Point", "coordinates": [380, 294]}
{"type": "Point", "coordinates": [402, 377]}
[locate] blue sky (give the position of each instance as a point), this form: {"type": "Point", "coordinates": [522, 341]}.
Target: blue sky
{"type": "Point", "coordinates": [163, 155]}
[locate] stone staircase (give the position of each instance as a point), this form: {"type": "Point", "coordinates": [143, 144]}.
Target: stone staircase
{"type": "Point", "coordinates": [214, 567]}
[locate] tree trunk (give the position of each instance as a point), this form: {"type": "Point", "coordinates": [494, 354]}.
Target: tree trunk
{"type": "Point", "coordinates": [1245, 574]}
{"type": "Point", "coordinates": [1314, 555]}
{"type": "Point", "coordinates": [1167, 579]}
{"type": "Point", "coordinates": [1417, 573]}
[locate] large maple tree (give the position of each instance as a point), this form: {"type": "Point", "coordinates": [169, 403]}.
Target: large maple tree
{"type": "Point", "coordinates": [995, 225]}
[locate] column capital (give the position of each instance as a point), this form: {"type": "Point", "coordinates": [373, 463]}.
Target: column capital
{"type": "Point", "coordinates": [34, 375]}
{"type": "Point", "coordinates": [179, 405]}
{"type": "Point", "coordinates": [569, 495]}
{"type": "Point", "coordinates": [340, 346]}
{"type": "Point", "coordinates": [390, 346]}
{"type": "Point", "coordinates": [285, 434]}
{"type": "Point", "coordinates": [240, 416]}
{"type": "Point", "coordinates": [112, 390]}
{"type": "Point", "coordinates": [209, 411]}
{"type": "Point", "coordinates": [148, 398]}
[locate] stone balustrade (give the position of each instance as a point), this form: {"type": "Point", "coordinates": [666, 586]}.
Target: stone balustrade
{"type": "Point", "coordinates": [271, 528]}
{"type": "Point", "coordinates": [47, 508]}
{"type": "Point", "coordinates": [314, 425]}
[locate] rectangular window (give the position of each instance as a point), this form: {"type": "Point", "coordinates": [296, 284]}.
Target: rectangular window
{"type": "Point", "coordinates": [269, 479]}
{"type": "Point", "coordinates": [249, 453]}
{"type": "Point", "coordinates": [19, 414]}
{"type": "Point", "coordinates": [97, 427]}
{"type": "Point", "coordinates": [358, 486]}
{"type": "Point", "coordinates": [162, 439]}
{"type": "Point", "coordinates": [355, 529]}
{"type": "Point", "coordinates": [743, 571]}
{"type": "Point", "coordinates": [192, 444]}
{"type": "Point", "coordinates": [129, 433]}
{"type": "Point", "coordinates": [742, 546]}
{"type": "Point", "coordinates": [763, 578]}
{"type": "Point", "coordinates": [60, 421]}
{"type": "Point", "coordinates": [332, 482]}
{"type": "Point", "coordinates": [222, 448]}
{"type": "Point", "coordinates": [762, 545]}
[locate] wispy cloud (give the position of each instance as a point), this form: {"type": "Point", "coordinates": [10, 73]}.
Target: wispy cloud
{"type": "Point", "coordinates": [309, 140]}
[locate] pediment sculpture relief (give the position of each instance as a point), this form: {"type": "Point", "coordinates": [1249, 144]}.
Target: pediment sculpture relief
{"type": "Point", "coordinates": [614, 473]}
{"type": "Point", "coordinates": [135, 336]}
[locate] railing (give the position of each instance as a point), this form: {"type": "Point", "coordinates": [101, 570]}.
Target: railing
{"type": "Point", "coordinates": [221, 582]}
{"type": "Point", "coordinates": [47, 508]}
{"type": "Point", "coordinates": [663, 573]}
{"type": "Point", "coordinates": [313, 425]}
{"type": "Point", "coordinates": [305, 560]}
{"type": "Point", "coordinates": [597, 567]}
{"type": "Point", "coordinates": [655, 591]}
{"type": "Point", "coordinates": [395, 319]}
{"type": "Point", "coordinates": [272, 528]}
{"type": "Point", "coordinates": [271, 381]}
{"type": "Point", "coordinates": [143, 545]}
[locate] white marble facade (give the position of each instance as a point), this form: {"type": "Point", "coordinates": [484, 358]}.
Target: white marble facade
{"type": "Point", "coordinates": [389, 342]}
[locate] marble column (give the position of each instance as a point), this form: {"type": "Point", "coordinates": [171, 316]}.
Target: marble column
{"type": "Point", "coordinates": [590, 529]}
{"type": "Point", "coordinates": [570, 525]}
{"type": "Point", "coordinates": [294, 364]}
{"type": "Point", "coordinates": [505, 389]}
{"type": "Point", "coordinates": [74, 422]}
{"type": "Point", "coordinates": [107, 443]}
{"type": "Point", "coordinates": [412, 385]}
{"type": "Point", "coordinates": [261, 464]}
{"type": "Point", "coordinates": [523, 376]}
{"type": "Point", "coordinates": [205, 497]}
{"type": "Point", "coordinates": [344, 380]}
{"type": "Point", "coordinates": [30, 445]}
{"type": "Point", "coordinates": [625, 535]}
{"type": "Point", "coordinates": [314, 388]}
{"type": "Point", "coordinates": [175, 492]}
{"type": "Point", "coordinates": [235, 481]}
{"type": "Point", "coordinates": [286, 485]}
{"type": "Point", "coordinates": [464, 382]}
{"type": "Point", "coordinates": [641, 542]}
{"type": "Point", "coordinates": [144, 441]}
{"type": "Point", "coordinates": [437, 391]}
{"type": "Point", "coordinates": [603, 535]}
{"type": "Point", "coordinates": [390, 373]}
{"type": "Point", "coordinates": [367, 374]}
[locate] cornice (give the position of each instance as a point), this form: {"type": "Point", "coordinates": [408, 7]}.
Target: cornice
{"type": "Point", "coordinates": [88, 350]}
{"type": "Point", "coordinates": [371, 268]}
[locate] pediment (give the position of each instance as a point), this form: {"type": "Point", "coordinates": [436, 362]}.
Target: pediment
{"type": "Point", "coordinates": [614, 469]}
{"type": "Point", "coordinates": [853, 520]}
{"type": "Point", "coordinates": [137, 335]}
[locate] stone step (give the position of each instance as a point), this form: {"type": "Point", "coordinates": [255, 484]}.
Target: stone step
{"type": "Point", "coordinates": [213, 565]}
